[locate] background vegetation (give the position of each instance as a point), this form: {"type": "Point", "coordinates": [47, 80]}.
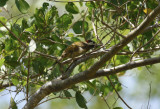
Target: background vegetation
{"type": "Point", "coordinates": [31, 42]}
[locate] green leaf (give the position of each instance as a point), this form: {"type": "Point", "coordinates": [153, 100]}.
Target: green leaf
{"type": "Point", "coordinates": [55, 73]}
{"type": "Point", "coordinates": [72, 8]}
{"type": "Point", "coordinates": [1, 90]}
{"type": "Point", "coordinates": [118, 87]}
{"type": "Point", "coordinates": [39, 64]}
{"type": "Point", "coordinates": [90, 5]}
{"type": "Point", "coordinates": [88, 36]}
{"type": "Point", "coordinates": [39, 18]}
{"type": "Point", "coordinates": [1, 34]}
{"type": "Point", "coordinates": [104, 89]}
{"type": "Point", "coordinates": [114, 2]}
{"type": "Point", "coordinates": [15, 81]}
{"type": "Point", "coordinates": [10, 44]}
{"type": "Point", "coordinates": [67, 93]}
{"type": "Point", "coordinates": [31, 29]}
{"type": "Point", "coordinates": [64, 21]}
{"type": "Point", "coordinates": [92, 88]}
{"type": "Point", "coordinates": [16, 29]}
{"type": "Point", "coordinates": [3, 20]}
{"type": "Point", "coordinates": [2, 62]}
{"type": "Point", "coordinates": [50, 15]}
{"type": "Point", "coordinates": [79, 26]}
{"type": "Point", "coordinates": [24, 83]}
{"type": "Point", "coordinates": [3, 2]}
{"type": "Point", "coordinates": [22, 6]}
{"type": "Point", "coordinates": [11, 62]}
{"type": "Point", "coordinates": [81, 101]}
{"type": "Point", "coordinates": [56, 38]}
{"type": "Point", "coordinates": [122, 59]}
{"type": "Point", "coordinates": [13, 104]}
{"type": "Point", "coordinates": [45, 5]}
{"type": "Point", "coordinates": [24, 24]}
{"type": "Point", "coordinates": [75, 39]}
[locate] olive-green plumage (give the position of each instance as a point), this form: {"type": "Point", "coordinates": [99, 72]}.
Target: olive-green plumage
{"type": "Point", "coordinates": [76, 49]}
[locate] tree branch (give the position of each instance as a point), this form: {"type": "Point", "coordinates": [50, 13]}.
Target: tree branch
{"type": "Point", "coordinates": [118, 93]}
{"type": "Point", "coordinates": [80, 60]}
{"type": "Point", "coordinates": [145, 44]}
{"type": "Point", "coordinates": [151, 27]}
{"type": "Point", "coordinates": [128, 66]}
{"type": "Point", "coordinates": [45, 55]}
{"type": "Point", "coordinates": [58, 84]}
{"type": "Point", "coordinates": [22, 43]}
{"type": "Point", "coordinates": [115, 49]}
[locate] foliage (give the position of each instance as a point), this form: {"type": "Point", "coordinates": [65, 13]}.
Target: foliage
{"type": "Point", "coordinates": [48, 32]}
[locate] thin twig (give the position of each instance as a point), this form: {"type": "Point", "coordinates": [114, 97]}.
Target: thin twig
{"type": "Point", "coordinates": [52, 41]}
{"type": "Point", "coordinates": [148, 106]}
{"type": "Point", "coordinates": [102, 21]}
{"type": "Point", "coordinates": [92, 95]}
{"type": "Point", "coordinates": [116, 99]}
{"type": "Point", "coordinates": [152, 27]}
{"type": "Point", "coordinates": [145, 44]}
{"type": "Point", "coordinates": [16, 16]}
{"type": "Point", "coordinates": [108, 42]}
{"type": "Point", "coordinates": [148, 69]}
{"type": "Point", "coordinates": [45, 55]}
{"type": "Point", "coordinates": [83, 28]}
{"type": "Point", "coordinates": [22, 54]}
{"type": "Point", "coordinates": [48, 100]}
{"type": "Point", "coordinates": [27, 90]}
{"type": "Point", "coordinates": [125, 3]}
{"type": "Point", "coordinates": [118, 93]}
{"type": "Point", "coordinates": [22, 43]}
{"type": "Point", "coordinates": [55, 98]}
{"type": "Point", "coordinates": [128, 21]}
{"type": "Point", "coordinates": [105, 35]}
{"type": "Point", "coordinates": [106, 103]}
{"type": "Point", "coordinates": [94, 28]}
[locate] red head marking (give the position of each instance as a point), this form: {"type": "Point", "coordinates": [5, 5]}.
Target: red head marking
{"type": "Point", "coordinates": [88, 41]}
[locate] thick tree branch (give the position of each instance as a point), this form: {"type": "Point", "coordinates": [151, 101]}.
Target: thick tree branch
{"type": "Point", "coordinates": [96, 54]}
{"type": "Point", "coordinates": [58, 84]}
{"type": "Point", "coordinates": [80, 60]}
{"type": "Point", "coordinates": [127, 66]}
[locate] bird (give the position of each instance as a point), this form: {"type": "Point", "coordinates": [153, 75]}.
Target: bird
{"type": "Point", "coordinates": [76, 49]}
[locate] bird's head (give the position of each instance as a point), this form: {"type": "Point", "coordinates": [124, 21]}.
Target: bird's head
{"type": "Point", "coordinates": [90, 42]}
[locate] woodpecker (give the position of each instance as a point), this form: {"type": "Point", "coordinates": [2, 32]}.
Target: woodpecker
{"type": "Point", "coordinates": [77, 48]}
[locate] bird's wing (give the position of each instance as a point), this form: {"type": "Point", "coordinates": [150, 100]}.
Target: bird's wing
{"type": "Point", "coordinates": [80, 44]}
{"type": "Point", "coordinates": [70, 50]}
{"type": "Point", "coordinates": [77, 48]}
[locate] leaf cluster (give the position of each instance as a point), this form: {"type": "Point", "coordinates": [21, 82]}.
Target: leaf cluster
{"type": "Point", "coordinates": [102, 21]}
